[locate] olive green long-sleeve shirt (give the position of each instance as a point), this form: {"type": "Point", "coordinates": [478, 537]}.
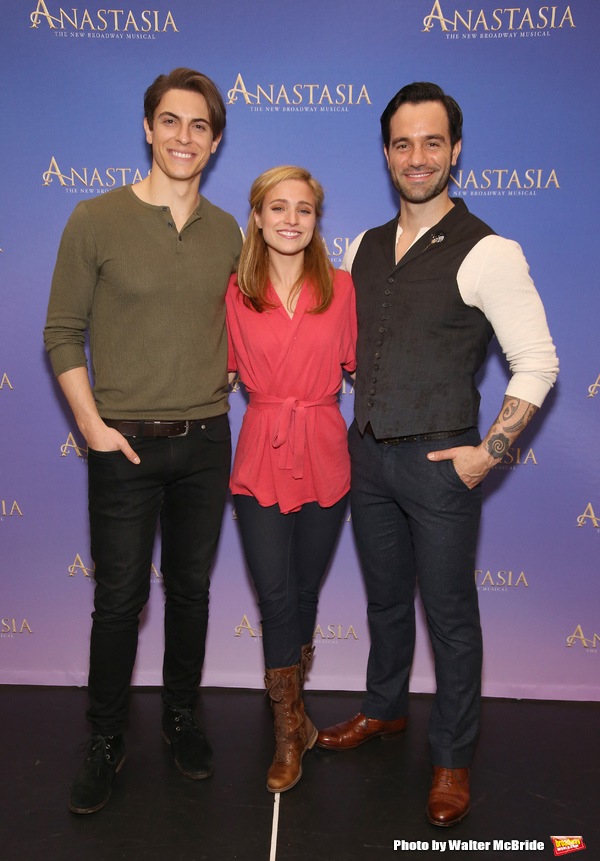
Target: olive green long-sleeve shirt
{"type": "Point", "coordinates": [153, 300]}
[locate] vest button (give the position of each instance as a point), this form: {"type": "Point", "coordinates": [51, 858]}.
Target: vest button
{"type": "Point", "coordinates": [370, 403]}
{"type": "Point", "coordinates": [373, 392]}
{"type": "Point", "coordinates": [386, 305]}
{"type": "Point", "coordinates": [378, 355]}
{"type": "Point", "coordinates": [391, 280]}
{"type": "Point", "coordinates": [387, 292]}
{"type": "Point", "coordinates": [382, 330]}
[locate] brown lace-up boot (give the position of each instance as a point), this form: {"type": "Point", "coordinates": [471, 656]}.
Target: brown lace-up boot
{"type": "Point", "coordinates": [291, 740]}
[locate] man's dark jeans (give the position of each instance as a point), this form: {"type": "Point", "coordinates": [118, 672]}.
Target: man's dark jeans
{"type": "Point", "coordinates": [183, 482]}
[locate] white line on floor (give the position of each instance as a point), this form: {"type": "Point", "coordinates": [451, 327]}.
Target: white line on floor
{"type": "Point", "coordinates": [275, 827]}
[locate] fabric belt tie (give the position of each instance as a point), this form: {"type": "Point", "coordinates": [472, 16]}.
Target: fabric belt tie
{"type": "Point", "coordinates": [290, 426]}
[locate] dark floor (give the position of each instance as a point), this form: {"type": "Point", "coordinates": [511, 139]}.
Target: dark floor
{"type": "Point", "coordinates": [536, 774]}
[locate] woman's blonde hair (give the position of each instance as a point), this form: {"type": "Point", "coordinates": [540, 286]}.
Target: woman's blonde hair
{"type": "Point", "coordinates": [253, 269]}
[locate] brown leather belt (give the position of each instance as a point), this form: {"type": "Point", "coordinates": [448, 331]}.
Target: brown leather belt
{"type": "Point", "coordinates": [149, 428]}
{"type": "Point", "coordinates": [421, 437]}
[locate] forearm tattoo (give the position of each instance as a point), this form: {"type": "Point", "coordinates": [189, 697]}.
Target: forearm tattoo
{"type": "Point", "coordinates": [514, 416]}
{"type": "Point", "coordinates": [511, 409]}
{"type": "Point", "coordinates": [498, 445]}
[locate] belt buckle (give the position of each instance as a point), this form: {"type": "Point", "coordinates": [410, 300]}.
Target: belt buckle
{"type": "Point", "coordinates": [394, 440]}
{"type": "Point", "coordinates": [185, 433]}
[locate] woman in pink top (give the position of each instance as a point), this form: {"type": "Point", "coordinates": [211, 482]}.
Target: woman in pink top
{"type": "Point", "coordinates": [292, 327]}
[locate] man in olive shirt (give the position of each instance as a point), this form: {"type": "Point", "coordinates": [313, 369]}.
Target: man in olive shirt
{"type": "Point", "coordinates": [144, 268]}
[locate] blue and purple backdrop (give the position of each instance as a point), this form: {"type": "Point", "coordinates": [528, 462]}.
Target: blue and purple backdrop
{"type": "Point", "coordinates": [306, 84]}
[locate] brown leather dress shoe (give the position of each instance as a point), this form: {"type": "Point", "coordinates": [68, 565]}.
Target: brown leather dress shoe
{"type": "Point", "coordinates": [357, 730]}
{"type": "Point", "coordinates": [449, 798]}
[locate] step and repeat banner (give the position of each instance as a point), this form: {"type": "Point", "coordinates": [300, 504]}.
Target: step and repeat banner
{"type": "Point", "coordinates": [305, 84]}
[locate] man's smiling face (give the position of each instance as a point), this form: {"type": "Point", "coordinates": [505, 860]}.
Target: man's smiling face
{"type": "Point", "coordinates": [181, 135]}
{"type": "Point", "coordinates": [420, 155]}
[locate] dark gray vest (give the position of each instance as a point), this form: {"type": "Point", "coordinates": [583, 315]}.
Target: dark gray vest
{"type": "Point", "coordinates": [419, 345]}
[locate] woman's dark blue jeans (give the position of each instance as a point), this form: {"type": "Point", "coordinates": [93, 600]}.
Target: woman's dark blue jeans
{"type": "Point", "coordinates": [288, 555]}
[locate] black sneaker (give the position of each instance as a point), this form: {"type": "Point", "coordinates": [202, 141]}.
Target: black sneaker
{"type": "Point", "coordinates": [193, 753]}
{"type": "Point", "coordinates": [92, 786]}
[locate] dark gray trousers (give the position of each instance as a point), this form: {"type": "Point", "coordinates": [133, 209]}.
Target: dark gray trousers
{"type": "Point", "coordinates": [415, 522]}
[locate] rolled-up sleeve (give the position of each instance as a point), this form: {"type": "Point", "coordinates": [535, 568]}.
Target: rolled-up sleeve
{"type": "Point", "coordinates": [71, 295]}
{"type": "Point", "coordinates": [494, 277]}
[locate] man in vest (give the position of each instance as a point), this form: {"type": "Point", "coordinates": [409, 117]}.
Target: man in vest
{"type": "Point", "coordinates": [145, 267]}
{"type": "Point", "coordinates": [432, 287]}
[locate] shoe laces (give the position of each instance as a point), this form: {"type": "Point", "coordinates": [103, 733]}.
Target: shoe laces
{"type": "Point", "coordinates": [99, 748]}
{"type": "Point", "coordinates": [448, 776]}
{"type": "Point", "coordinates": [185, 721]}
